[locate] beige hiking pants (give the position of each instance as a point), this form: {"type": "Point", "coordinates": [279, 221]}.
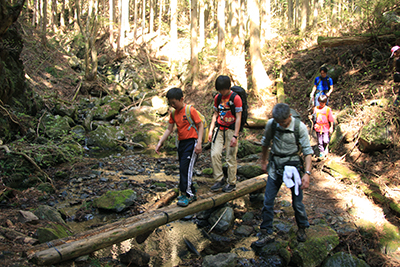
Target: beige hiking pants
{"type": "Point", "coordinates": [216, 155]}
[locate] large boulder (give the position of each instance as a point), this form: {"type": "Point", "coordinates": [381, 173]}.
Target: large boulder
{"type": "Point", "coordinates": [249, 171]}
{"type": "Point", "coordinates": [106, 137]}
{"type": "Point", "coordinates": [115, 200]}
{"type": "Point", "coordinates": [227, 218]}
{"type": "Point", "coordinates": [55, 127]}
{"type": "Point", "coordinates": [376, 134]}
{"type": "Point", "coordinates": [48, 213]}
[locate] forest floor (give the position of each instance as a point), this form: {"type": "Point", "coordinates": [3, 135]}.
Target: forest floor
{"type": "Point", "coordinates": [326, 194]}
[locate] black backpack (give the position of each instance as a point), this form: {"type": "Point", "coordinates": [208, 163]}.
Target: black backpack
{"type": "Point", "coordinates": [237, 90]}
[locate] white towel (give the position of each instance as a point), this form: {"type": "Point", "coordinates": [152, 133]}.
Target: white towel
{"type": "Point", "coordinates": [288, 173]}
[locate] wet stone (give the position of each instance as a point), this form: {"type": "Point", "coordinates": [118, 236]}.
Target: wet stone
{"type": "Point", "coordinates": [96, 173]}
{"type": "Point", "coordinates": [244, 230]}
{"type": "Point", "coordinates": [83, 196]}
{"type": "Point", "coordinates": [248, 216]}
{"type": "Point", "coordinates": [129, 172]}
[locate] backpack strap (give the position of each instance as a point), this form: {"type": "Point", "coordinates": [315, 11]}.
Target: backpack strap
{"type": "Point", "coordinates": [296, 134]}
{"type": "Point", "coordinates": [189, 117]}
{"type": "Point", "coordinates": [232, 106]}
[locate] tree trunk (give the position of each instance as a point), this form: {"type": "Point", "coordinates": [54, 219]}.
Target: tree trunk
{"type": "Point", "coordinates": [44, 23]}
{"type": "Point", "coordinates": [135, 19]}
{"type": "Point", "coordinates": [160, 11]}
{"type": "Point", "coordinates": [290, 14]}
{"type": "Point", "coordinates": [62, 15]}
{"type": "Point", "coordinates": [143, 17]}
{"type": "Point", "coordinates": [221, 35]}
{"type": "Point", "coordinates": [9, 14]}
{"type": "Point", "coordinates": [265, 21]}
{"type": "Point", "coordinates": [111, 20]}
{"type": "Point", "coordinates": [194, 57]}
{"type": "Point", "coordinates": [201, 26]}
{"type": "Point", "coordinates": [34, 12]}
{"type": "Point", "coordinates": [303, 15]}
{"type": "Point", "coordinates": [53, 16]}
{"type": "Point", "coordinates": [315, 14]}
{"type": "Point", "coordinates": [124, 24]}
{"type": "Point", "coordinates": [259, 78]}
{"type": "Point", "coordinates": [90, 241]}
{"type": "Point", "coordinates": [173, 34]}
{"type": "Point", "coordinates": [151, 15]}
{"type": "Point", "coordinates": [89, 32]}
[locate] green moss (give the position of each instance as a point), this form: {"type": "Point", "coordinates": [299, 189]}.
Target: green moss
{"type": "Point", "coordinates": [207, 171]}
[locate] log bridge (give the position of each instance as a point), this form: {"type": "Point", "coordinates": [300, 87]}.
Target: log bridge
{"type": "Point", "coordinates": [107, 235]}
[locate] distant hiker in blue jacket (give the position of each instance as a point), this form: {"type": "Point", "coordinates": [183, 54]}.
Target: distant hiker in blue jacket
{"type": "Point", "coordinates": [323, 85]}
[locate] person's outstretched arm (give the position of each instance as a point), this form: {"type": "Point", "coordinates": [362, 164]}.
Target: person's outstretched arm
{"type": "Point", "coordinates": [164, 137]}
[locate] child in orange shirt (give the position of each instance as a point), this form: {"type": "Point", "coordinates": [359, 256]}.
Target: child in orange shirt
{"type": "Point", "coordinates": [189, 143]}
{"type": "Point", "coordinates": [323, 125]}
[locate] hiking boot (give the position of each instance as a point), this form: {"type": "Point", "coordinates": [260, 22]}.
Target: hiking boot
{"type": "Point", "coordinates": [217, 186]}
{"type": "Point", "coordinates": [263, 239]}
{"type": "Point", "coordinates": [184, 201]}
{"type": "Point", "coordinates": [229, 188]}
{"type": "Point", "coordinates": [301, 234]}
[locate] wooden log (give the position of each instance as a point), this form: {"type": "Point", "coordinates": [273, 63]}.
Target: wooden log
{"type": "Point", "coordinates": [17, 236]}
{"type": "Point", "coordinates": [280, 91]}
{"type": "Point", "coordinates": [350, 40]}
{"type": "Point", "coordinates": [256, 123]}
{"type": "Point", "coordinates": [90, 241]}
{"type": "Point", "coordinates": [164, 200]}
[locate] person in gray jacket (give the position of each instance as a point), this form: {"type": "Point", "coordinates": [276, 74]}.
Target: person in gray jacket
{"type": "Point", "coordinates": [288, 135]}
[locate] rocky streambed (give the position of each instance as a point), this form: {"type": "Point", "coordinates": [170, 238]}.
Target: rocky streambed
{"type": "Point", "coordinates": [221, 235]}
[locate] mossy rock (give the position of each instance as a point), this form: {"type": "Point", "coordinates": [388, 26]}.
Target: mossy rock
{"type": "Point", "coordinates": [376, 134]}
{"type": "Point", "coordinates": [55, 127]}
{"type": "Point", "coordinates": [115, 200]}
{"type": "Point", "coordinates": [344, 259]}
{"type": "Point", "coordinates": [52, 231]}
{"type": "Point", "coordinates": [105, 137]}
{"type": "Point", "coordinates": [48, 213]}
{"type": "Point", "coordinates": [207, 171]}
{"type": "Point", "coordinates": [321, 240]}
{"type": "Point", "coordinates": [108, 111]}
{"type": "Point", "coordinates": [64, 110]}
{"type": "Point", "coordinates": [247, 148]}
{"type": "Point", "coordinates": [45, 187]}
{"type": "Point", "coordinates": [249, 171]}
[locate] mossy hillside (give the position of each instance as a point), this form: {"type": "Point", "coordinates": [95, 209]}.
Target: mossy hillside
{"type": "Point", "coordinates": [387, 234]}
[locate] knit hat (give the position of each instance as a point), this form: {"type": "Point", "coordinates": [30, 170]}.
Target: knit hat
{"type": "Point", "coordinates": [394, 49]}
